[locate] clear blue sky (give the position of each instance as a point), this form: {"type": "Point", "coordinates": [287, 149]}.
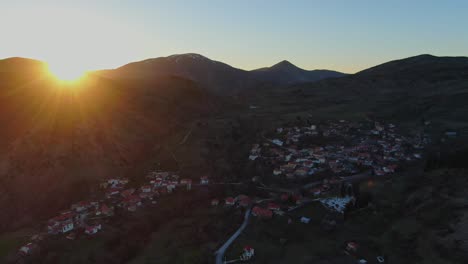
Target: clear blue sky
{"type": "Point", "coordinates": [346, 35]}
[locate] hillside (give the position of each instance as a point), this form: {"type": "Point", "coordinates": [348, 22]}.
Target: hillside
{"type": "Point", "coordinates": [408, 90]}
{"type": "Point", "coordinates": [59, 141]}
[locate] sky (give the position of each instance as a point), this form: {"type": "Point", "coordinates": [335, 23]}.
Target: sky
{"type": "Point", "coordinates": [346, 35]}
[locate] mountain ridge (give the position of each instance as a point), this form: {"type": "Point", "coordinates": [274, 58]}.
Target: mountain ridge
{"type": "Point", "coordinates": [217, 76]}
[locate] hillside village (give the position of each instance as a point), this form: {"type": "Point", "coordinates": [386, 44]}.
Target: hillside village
{"type": "Point", "coordinates": [88, 217]}
{"type": "Point", "coordinates": [337, 149]}
{"type": "Point", "coordinates": [343, 149]}
{"type": "Point", "coordinates": [324, 160]}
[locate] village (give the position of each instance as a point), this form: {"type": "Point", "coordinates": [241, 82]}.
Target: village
{"type": "Point", "coordinates": [320, 167]}
{"type": "Point", "coordinates": [337, 148]}
{"type": "Point", "coordinates": [324, 164]}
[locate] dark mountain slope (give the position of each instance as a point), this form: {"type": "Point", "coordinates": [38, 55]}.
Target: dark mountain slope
{"type": "Point", "coordinates": [412, 89]}
{"type": "Point", "coordinates": [59, 141]}
{"type": "Point", "coordinates": [420, 67]}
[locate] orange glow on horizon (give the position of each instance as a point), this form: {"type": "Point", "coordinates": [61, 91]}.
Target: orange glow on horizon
{"type": "Point", "coordinates": [66, 75]}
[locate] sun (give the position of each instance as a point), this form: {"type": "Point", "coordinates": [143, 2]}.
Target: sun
{"type": "Point", "coordinates": [65, 73]}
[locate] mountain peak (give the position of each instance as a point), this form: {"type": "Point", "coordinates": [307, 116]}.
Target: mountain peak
{"type": "Point", "coordinates": [21, 64]}
{"type": "Point", "coordinates": [284, 64]}
{"type": "Point", "coordinates": [192, 56]}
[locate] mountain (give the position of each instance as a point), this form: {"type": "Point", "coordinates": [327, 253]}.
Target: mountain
{"type": "Point", "coordinates": [214, 75]}
{"type": "Point", "coordinates": [424, 66]}
{"type": "Point", "coordinates": [285, 72]}
{"type": "Point", "coordinates": [219, 76]}
{"type": "Point", "coordinates": [23, 65]}
{"type": "Point", "coordinates": [411, 89]}
{"type": "Point", "coordinates": [17, 70]}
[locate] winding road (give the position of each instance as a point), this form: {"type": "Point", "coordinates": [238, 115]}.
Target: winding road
{"type": "Point", "coordinates": [220, 252]}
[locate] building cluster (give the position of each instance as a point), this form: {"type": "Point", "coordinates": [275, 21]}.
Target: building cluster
{"type": "Point", "coordinates": [87, 216]}
{"type": "Point", "coordinates": [338, 149]}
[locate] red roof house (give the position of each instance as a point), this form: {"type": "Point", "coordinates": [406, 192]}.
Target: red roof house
{"type": "Point", "coordinates": [262, 212]}
{"type": "Point", "coordinates": [230, 201]}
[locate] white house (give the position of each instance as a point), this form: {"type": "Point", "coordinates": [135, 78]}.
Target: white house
{"type": "Point", "coordinates": [248, 253]}
{"type": "Point", "coordinates": [277, 142]}
{"type": "Point", "coordinates": [91, 230]}
{"type": "Point", "coordinates": [26, 249]}
{"type": "Point", "coordinates": [67, 226]}
{"type": "Point", "coordinates": [204, 180]}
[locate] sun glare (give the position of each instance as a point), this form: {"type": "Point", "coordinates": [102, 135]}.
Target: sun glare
{"type": "Point", "coordinates": [66, 74]}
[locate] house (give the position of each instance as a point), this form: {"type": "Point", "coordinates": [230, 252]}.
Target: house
{"type": "Point", "coordinates": [277, 172]}
{"type": "Point", "coordinates": [187, 182]}
{"type": "Point", "coordinates": [451, 134]}
{"type": "Point", "coordinates": [111, 192]}
{"type": "Point", "coordinates": [93, 229]}
{"type": "Point", "coordinates": [162, 191]}
{"type": "Point", "coordinates": [115, 182]}
{"type": "Point", "coordinates": [26, 249]}
{"type": "Point", "coordinates": [61, 224]}
{"type": "Point", "coordinates": [262, 212]}
{"type": "Point", "coordinates": [248, 253]}
{"type": "Point", "coordinates": [105, 210]}
{"type": "Point", "coordinates": [277, 142]}
{"type": "Point", "coordinates": [388, 169]}
{"type": "Point", "coordinates": [316, 191]}
{"type": "Point", "coordinates": [273, 206]}
{"type": "Point", "coordinates": [128, 192]}
{"type": "Point", "coordinates": [131, 202]}
{"type": "Point", "coordinates": [145, 188]}
{"type": "Point", "coordinates": [253, 157]}
{"type": "Point", "coordinates": [214, 202]}
{"type": "Point", "coordinates": [60, 227]}
{"type": "Point", "coordinates": [204, 180]}
{"type": "Point", "coordinates": [302, 172]}
{"type": "Point", "coordinates": [297, 198]}
{"type": "Point", "coordinates": [230, 201]}
{"type": "Point", "coordinates": [351, 247]}
{"type": "Point", "coordinates": [80, 217]}
{"type": "Point", "coordinates": [146, 195]}
{"type": "Point", "coordinates": [170, 187]}
{"type": "Point", "coordinates": [305, 220]}
{"type": "Point", "coordinates": [81, 206]}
